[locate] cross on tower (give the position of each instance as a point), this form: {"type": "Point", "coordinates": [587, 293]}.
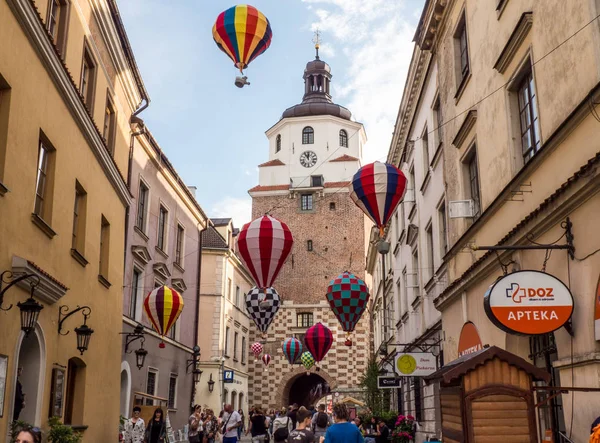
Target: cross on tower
{"type": "Point", "coordinates": [317, 41]}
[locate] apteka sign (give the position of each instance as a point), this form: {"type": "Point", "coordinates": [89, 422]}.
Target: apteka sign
{"type": "Point", "coordinates": [528, 303]}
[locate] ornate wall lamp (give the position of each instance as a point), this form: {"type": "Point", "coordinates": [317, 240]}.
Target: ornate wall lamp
{"type": "Point", "coordinates": [130, 337]}
{"type": "Point", "coordinates": [84, 332]}
{"type": "Point", "coordinates": [30, 309]}
{"type": "Point", "coordinates": [195, 362]}
{"type": "Point", "coordinates": [211, 384]}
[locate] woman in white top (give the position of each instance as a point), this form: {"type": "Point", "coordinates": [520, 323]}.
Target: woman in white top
{"type": "Point", "coordinates": [283, 421]}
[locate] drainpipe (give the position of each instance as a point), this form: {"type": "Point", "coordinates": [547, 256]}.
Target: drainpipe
{"type": "Point", "coordinates": [197, 319]}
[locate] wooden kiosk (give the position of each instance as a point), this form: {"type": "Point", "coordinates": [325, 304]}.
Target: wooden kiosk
{"type": "Point", "coordinates": [487, 397]}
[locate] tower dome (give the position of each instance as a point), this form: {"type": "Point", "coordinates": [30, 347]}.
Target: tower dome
{"type": "Point", "coordinates": [317, 97]}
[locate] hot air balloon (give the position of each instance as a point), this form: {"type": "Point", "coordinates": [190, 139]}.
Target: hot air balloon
{"type": "Point", "coordinates": [307, 360]}
{"type": "Point", "coordinates": [266, 359]}
{"type": "Point", "coordinates": [262, 305]}
{"type": "Point", "coordinates": [377, 188]}
{"type": "Point", "coordinates": [264, 245]}
{"type": "Point", "coordinates": [318, 340]}
{"type": "Point", "coordinates": [348, 296]}
{"type": "Point", "coordinates": [256, 349]}
{"type": "Point", "coordinates": [292, 348]}
{"type": "Point", "coordinates": [163, 306]}
{"type": "Point", "coordinates": [243, 33]}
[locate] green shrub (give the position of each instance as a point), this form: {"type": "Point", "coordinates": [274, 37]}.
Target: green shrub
{"type": "Point", "coordinates": [60, 433]}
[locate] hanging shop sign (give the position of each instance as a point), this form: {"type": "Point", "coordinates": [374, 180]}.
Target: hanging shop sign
{"type": "Point", "coordinates": [388, 382]}
{"type": "Point", "coordinates": [597, 312]}
{"type": "Point", "coordinates": [528, 303]}
{"type": "Point", "coordinates": [469, 340]}
{"type": "Point", "coordinates": [415, 364]}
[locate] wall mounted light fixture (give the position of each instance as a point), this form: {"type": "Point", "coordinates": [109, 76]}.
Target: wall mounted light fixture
{"type": "Point", "coordinates": [84, 332]}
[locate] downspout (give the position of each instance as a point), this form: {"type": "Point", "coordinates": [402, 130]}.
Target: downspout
{"type": "Point", "coordinates": [197, 319]}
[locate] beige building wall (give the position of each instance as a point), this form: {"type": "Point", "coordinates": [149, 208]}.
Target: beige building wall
{"type": "Point", "coordinates": [40, 100]}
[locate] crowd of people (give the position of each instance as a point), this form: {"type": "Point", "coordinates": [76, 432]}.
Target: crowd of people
{"type": "Point", "coordinates": [293, 424]}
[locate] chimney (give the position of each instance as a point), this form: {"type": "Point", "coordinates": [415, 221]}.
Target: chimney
{"type": "Point", "coordinates": [193, 189]}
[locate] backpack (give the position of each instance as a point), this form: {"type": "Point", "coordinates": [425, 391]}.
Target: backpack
{"type": "Point", "coordinates": [322, 420]}
{"type": "Point", "coordinates": [595, 437]}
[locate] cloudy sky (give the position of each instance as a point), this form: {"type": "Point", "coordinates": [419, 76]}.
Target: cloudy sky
{"type": "Point", "coordinates": [212, 131]}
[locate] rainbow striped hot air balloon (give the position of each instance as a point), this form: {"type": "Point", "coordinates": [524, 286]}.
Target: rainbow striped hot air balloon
{"type": "Point", "coordinates": [163, 306]}
{"type": "Point", "coordinates": [243, 33]}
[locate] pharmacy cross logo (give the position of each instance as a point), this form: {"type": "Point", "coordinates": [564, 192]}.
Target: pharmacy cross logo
{"type": "Point", "coordinates": [517, 293]}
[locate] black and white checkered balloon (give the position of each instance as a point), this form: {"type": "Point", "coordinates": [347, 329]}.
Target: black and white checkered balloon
{"type": "Point", "coordinates": [262, 305]}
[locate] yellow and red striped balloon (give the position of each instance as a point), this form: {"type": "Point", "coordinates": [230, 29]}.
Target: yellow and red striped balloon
{"type": "Point", "coordinates": [163, 306]}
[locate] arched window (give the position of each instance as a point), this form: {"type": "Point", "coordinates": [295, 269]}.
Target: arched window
{"type": "Point", "coordinates": [308, 136]}
{"type": "Point", "coordinates": [343, 138]}
{"type": "Point", "coordinates": [278, 143]}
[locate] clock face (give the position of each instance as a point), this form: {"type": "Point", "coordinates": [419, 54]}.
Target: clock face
{"type": "Point", "coordinates": [308, 159]}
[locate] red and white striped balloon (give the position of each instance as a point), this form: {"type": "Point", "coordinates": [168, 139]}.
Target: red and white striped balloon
{"type": "Point", "coordinates": [266, 360]}
{"type": "Point", "coordinates": [264, 245]}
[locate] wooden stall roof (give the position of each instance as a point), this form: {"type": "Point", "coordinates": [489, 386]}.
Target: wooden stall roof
{"type": "Point", "coordinates": [467, 363]}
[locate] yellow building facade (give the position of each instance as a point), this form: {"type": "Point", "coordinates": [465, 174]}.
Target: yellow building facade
{"type": "Point", "coordinates": [68, 88]}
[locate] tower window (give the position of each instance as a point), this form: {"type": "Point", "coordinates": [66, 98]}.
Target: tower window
{"type": "Point", "coordinates": [309, 245]}
{"type": "Point", "coordinates": [308, 136]}
{"type": "Point", "coordinates": [343, 138]}
{"type": "Point", "coordinates": [332, 206]}
{"type": "Point", "coordinates": [304, 320]}
{"type": "Point", "coordinates": [306, 202]}
{"type": "Point", "coordinates": [278, 143]}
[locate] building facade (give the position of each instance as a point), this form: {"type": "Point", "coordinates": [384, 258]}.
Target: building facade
{"type": "Point", "coordinates": [224, 332]}
{"type": "Point", "coordinates": [519, 153]}
{"type": "Point", "coordinates": [68, 88]}
{"type": "Point", "coordinates": [163, 248]}
{"type": "Point", "coordinates": [314, 150]}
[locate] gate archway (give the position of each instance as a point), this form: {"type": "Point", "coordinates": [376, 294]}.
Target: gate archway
{"type": "Point", "coordinates": [298, 387]}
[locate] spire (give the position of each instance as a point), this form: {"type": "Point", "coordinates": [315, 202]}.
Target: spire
{"type": "Point", "coordinates": [317, 42]}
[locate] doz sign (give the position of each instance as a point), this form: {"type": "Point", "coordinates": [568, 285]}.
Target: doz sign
{"type": "Point", "coordinates": [528, 303]}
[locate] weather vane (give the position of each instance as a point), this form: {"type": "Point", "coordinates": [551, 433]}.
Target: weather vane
{"type": "Point", "coordinates": [317, 41]}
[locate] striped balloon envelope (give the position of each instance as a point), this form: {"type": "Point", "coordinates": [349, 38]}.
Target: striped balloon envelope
{"type": "Point", "coordinates": [292, 348]}
{"type": "Point", "coordinates": [318, 340]}
{"type": "Point", "coordinates": [266, 359]}
{"type": "Point", "coordinates": [377, 188]}
{"type": "Point", "coordinates": [163, 306]}
{"type": "Point", "coordinates": [243, 33]}
{"type": "Point", "coordinates": [264, 244]}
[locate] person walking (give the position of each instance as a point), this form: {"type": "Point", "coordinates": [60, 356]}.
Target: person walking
{"type": "Point", "coordinates": [342, 431]}
{"type": "Point", "coordinates": [231, 421]}
{"type": "Point", "coordinates": [258, 426]}
{"type": "Point", "coordinates": [241, 428]}
{"type": "Point", "coordinates": [134, 428]}
{"type": "Point", "coordinates": [156, 429]}
{"type": "Point", "coordinates": [19, 396]}
{"type": "Point", "coordinates": [292, 414]}
{"type": "Point", "coordinates": [196, 428]}
{"type": "Point", "coordinates": [283, 421]}
{"type": "Point", "coordinates": [211, 426]}
{"type": "Point", "coordinates": [302, 433]}
{"type": "Point", "coordinates": [320, 422]}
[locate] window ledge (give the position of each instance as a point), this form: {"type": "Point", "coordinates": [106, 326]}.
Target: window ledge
{"type": "Point", "coordinates": [79, 257]}
{"type": "Point", "coordinates": [461, 87]}
{"type": "Point", "coordinates": [437, 155]}
{"type": "Point", "coordinates": [45, 227]}
{"type": "Point", "coordinates": [104, 281]}
{"type": "Point", "coordinates": [235, 360]}
{"type": "Point", "coordinates": [161, 252]}
{"type": "Point", "coordinates": [426, 181]}
{"type": "Point", "coordinates": [141, 233]}
{"type": "Point", "coordinates": [78, 428]}
{"type": "Point", "coordinates": [3, 189]}
{"type": "Point", "coordinates": [178, 267]}
{"type": "Point", "coordinates": [412, 212]}
{"type": "Point", "coordinates": [404, 318]}
{"type": "Point", "coordinates": [416, 302]}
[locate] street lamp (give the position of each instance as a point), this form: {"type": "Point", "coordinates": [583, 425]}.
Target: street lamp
{"type": "Point", "coordinates": [140, 356]}
{"type": "Point", "coordinates": [211, 384]}
{"type": "Point", "coordinates": [195, 361]}
{"type": "Point", "coordinates": [30, 311]}
{"type": "Point", "coordinates": [83, 332]}
{"type": "Point", "coordinates": [130, 337]}
{"type": "Point", "coordinates": [197, 374]}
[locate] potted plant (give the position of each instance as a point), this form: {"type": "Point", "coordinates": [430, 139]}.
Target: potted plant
{"type": "Point", "coordinates": [404, 430]}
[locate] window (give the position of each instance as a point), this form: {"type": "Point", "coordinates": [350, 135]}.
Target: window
{"type": "Point", "coordinates": [438, 121]}
{"type": "Point", "coordinates": [227, 341]}
{"type": "Point", "coordinates": [528, 117]}
{"type": "Point", "coordinates": [343, 138]}
{"type": "Point", "coordinates": [308, 136]}
{"type": "Point", "coordinates": [425, 141]}
{"type": "Point", "coordinates": [415, 272]}
{"type": "Point", "coordinates": [304, 319]}
{"type": "Point", "coordinates": [179, 245]}
{"type": "Point", "coordinates": [79, 210]}
{"type": "Point", "coordinates": [418, 392]}
{"type": "Point", "coordinates": [57, 22]}
{"type": "Point", "coordinates": [88, 77]}
{"type": "Point", "coordinates": [429, 240]}
{"type": "Point", "coordinates": [399, 295]}
{"type": "Point", "coordinates": [142, 206]}
{"type": "Point", "coordinates": [104, 248]}
{"type": "Point", "coordinates": [332, 206]}
{"type": "Point", "coordinates": [404, 299]}
{"type": "Point", "coordinates": [158, 283]}
{"type": "Point", "coordinates": [306, 202]}
{"type": "Point", "coordinates": [243, 353]}
{"type": "Point", "coordinates": [137, 289]}
{"type": "Point", "coordinates": [462, 49]}
{"type": "Point", "coordinates": [278, 143]}
{"type": "Point", "coordinates": [163, 214]}
{"type": "Point", "coordinates": [74, 399]}
{"type": "Point", "coordinates": [151, 385]}
{"type": "Point", "coordinates": [172, 404]}
{"type": "Point", "coordinates": [316, 181]}
{"type": "Point", "coordinates": [443, 229]}
{"type": "Point", "coordinates": [173, 331]}
{"type": "Point", "coordinates": [237, 296]}
{"type": "Point", "coordinates": [397, 224]}
{"type": "Point", "coordinates": [473, 176]}
{"type": "Point", "coordinates": [229, 289]}
{"type": "Point", "coordinates": [235, 345]}
{"type": "Point", "coordinates": [5, 94]}
{"type": "Point", "coordinates": [44, 180]}
{"type": "Point", "coordinates": [309, 245]}
{"type": "Point", "coordinates": [108, 130]}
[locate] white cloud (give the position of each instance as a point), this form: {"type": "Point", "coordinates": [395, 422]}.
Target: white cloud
{"type": "Point", "coordinates": [239, 209]}
{"type": "Point", "coordinates": [376, 38]}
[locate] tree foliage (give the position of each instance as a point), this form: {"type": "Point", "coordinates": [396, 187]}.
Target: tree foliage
{"type": "Point", "coordinates": [368, 381]}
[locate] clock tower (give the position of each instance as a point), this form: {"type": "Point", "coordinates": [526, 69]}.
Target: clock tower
{"type": "Point", "coordinates": [314, 150]}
